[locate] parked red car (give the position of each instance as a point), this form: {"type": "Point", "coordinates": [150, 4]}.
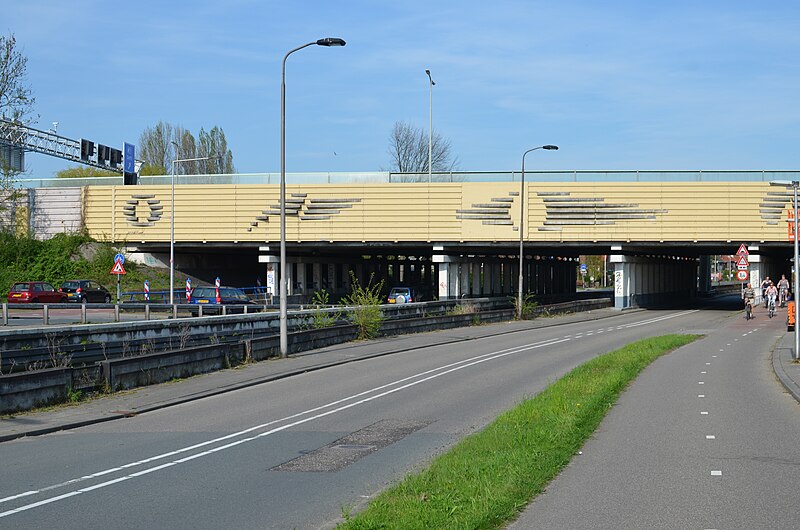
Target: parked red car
{"type": "Point", "coordinates": [35, 293]}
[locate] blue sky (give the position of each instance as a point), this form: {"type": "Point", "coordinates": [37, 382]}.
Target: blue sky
{"type": "Point", "coordinates": [616, 84]}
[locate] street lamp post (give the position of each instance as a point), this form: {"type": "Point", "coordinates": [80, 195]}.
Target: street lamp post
{"type": "Point", "coordinates": [329, 41]}
{"type": "Point", "coordinates": [522, 223]}
{"type": "Point", "coordinates": [430, 126]}
{"type": "Point", "coordinates": [172, 221]}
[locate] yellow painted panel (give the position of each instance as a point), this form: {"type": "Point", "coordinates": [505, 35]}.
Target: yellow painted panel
{"type": "Point", "coordinates": [705, 211]}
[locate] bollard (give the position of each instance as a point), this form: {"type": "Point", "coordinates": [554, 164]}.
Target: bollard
{"type": "Point", "coordinates": [116, 312]}
{"type": "Point", "coordinates": [245, 309]}
{"type": "Point", "coordinates": [5, 314]}
{"type": "Point", "coordinates": [147, 311]}
{"type": "Point", "coordinates": [224, 310]}
{"type": "Point", "coordinates": [174, 311]}
{"type": "Point", "coordinates": [83, 313]}
{"type": "Point", "coordinates": [199, 310]}
{"type": "Point", "coordinates": [45, 315]}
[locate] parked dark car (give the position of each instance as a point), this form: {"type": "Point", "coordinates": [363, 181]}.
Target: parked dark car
{"type": "Point", "coordinates": [85, 291]}
{"type": "Point", "coordinates": [207, 297]}
{"type": "Point", "coordinates": [34, 293]}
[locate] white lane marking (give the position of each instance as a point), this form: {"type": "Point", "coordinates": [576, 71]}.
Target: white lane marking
{"type": "Point", "coordinates": [716, 473]}
{"type": "Point", "coordinates": [730, 343]}
{"type": "Point", "coordinates": [708, 364]}
{"type": "Point", "coordinates": [703, 373]}
{"type": "Point", "coordinates": [704, 412]}
{"type": "Point", "coordinates": [713, 356]}
{"type": "Point", "coordinates": [460, 365]}
{"type": "Point", "coordinates": [710, 437]}
{"type": "Point", "coordinates": [701, 382]}
{"type": "Point", "coordinates": [701, 395]}
{"type": "Point", "coordinates": [659, 319]}
{"type": "Point", "coordinates": [463, 364]}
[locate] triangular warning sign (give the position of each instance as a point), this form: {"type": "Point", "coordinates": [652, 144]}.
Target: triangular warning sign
{"type": "Point", "coordinates": [118, 268]}
{"type": "Point", "coordinates": [742, 263]}
{"type": "Point", "coordinates": [742, 250]}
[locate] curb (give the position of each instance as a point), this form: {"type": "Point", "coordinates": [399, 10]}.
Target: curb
{"type": "Point", "coordinates": [777, 367]}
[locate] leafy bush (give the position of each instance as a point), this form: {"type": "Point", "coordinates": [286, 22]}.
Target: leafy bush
{"type": "Point", "coordinates": [56, 260]}
{"type": "Point", "coordinates": [319, 317]}
{"type": "Point", "coordinates": [366, 302]}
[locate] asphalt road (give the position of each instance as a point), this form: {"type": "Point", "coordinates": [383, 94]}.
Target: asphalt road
{"type": "Point", "coordinates": [300, 452]}
{"type": "Point", "coordinates": [705, 438]}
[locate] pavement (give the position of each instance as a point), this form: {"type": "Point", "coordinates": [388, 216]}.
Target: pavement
{"type": "Point", "coordinates": [786, 368]}
{"type": "Point", "coordinates": [132, 402]}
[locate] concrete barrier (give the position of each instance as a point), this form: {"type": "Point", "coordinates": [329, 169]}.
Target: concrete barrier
{"type": "Point", "coordinates": [26, 390]}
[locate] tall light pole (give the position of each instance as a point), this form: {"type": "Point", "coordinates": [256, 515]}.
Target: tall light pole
{"type": "Point", "coordinates": [175, 162]}
{"type": "Point", "coordinates": [284, 340]}
{"type": "Point", "coordinates": [522, 223]}
{"type": "Point", "coordinates": [430, 126]}
{"type": "Point", "coordinates": [796, 272]}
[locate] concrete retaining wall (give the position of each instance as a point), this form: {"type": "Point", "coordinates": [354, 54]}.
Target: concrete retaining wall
{"type": "Point", "coordinates": [28, 390]}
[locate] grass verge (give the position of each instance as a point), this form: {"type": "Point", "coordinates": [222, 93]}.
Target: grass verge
{"type": "Point", "coordinates": [486, 479]}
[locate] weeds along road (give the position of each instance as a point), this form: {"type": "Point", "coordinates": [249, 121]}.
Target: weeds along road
{"type": "Point", "coordinates": [301, 452]}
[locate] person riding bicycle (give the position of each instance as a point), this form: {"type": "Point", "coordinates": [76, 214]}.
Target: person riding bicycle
{"type": "Point", "coordinates": [783, 289]}
{"type": "Point", "coordinates": [771, 294]}
{"type": "Point", "coordinates": [764, 286]}
{"type": "Point", "coordinates": [749, 296]}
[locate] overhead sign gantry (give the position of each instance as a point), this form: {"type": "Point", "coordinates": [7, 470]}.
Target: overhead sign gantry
{"type": "Point", "coordinates": [23, 138]}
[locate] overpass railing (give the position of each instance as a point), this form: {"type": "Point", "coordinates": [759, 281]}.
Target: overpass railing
{"type": "Point", "coordinates": [377, 177]}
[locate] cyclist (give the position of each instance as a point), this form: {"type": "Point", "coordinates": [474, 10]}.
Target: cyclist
{"type": "Point", "coordinates": [749, 297]}
{"type": "Point", "coordinates": [771, 294]}
{"type": "Point", "coordinates": [764, 286]}
{"type": "Point", "coordinates": [783, 289]}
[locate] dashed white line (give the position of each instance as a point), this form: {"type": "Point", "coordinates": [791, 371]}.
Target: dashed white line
{"type": "Point", "coordinates": [716, 473]}
{"type": "Point", "coordinates": [701, 382]}
{"type": "Point", "coordinates": [701, 395]}
{"type": "Point", "coordinates": [704, 412]}
{"type": "Point", "coordinates": [710, 437]}
{"type": "Point", "coordinates": [703, 373]}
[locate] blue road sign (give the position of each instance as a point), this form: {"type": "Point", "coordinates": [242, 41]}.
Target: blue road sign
{"type": "Point", "coordinates": [119, 257]}
{"type": "Point", "coordinates": [129, 157]}
{"type": "Point", "coordinates": [583, 268]}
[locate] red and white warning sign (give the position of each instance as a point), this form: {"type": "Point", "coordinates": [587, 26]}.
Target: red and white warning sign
{"type": "Point", "coordinates": [742, 250]}
{"type": "Point", "coordinates": [742, 263]}
{"type": "Point", "coordinates": [118, 268]}
{"type": "Point", "coordinates": [743, 276]}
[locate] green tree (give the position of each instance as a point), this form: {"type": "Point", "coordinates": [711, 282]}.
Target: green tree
{"type": "Point", "coordinates": [163, 143]}
{"type": "Point", "coordinates": [79, 172]}
{"type": "Point", "coordinates": [211, 144]}
{"type": "Point", "coordinates": [16, 104]}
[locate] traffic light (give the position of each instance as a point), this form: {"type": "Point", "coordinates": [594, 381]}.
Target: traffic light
{"type": "Point", "coordinates": [87, 150]}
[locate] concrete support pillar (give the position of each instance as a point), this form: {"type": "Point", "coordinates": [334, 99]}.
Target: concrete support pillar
{"type": "Point", "coordinates": [316, 282]}
{"type": "Point", "coordinates": [497, 279]}
{"type": "Point", "coordinates": [448, 276]}
{"type": "Point", "coordinates": [301, 282]}
{"type": "Point", "coordinates": [508, 286]}
{"type": "Point", "coordinates": [705, 274]}
{"type": "Point", "coordinates": [463, 279]}
{"type": "Point", "coordinates": [477, 284]}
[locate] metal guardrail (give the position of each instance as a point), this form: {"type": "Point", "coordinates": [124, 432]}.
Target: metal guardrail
{"type": "Point", "coordinates": [576, 175]}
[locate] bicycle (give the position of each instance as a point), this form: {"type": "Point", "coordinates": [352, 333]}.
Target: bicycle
{"type": "Point", "coordinates": [782, 296]}
{"type": "Point", "coordinates": [748, 309]}
{"type": "Point", "coordinates": [771, 307]}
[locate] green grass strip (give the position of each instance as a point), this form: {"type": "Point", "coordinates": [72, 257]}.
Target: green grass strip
{"type": "Point", "coordinates": [486, 479]}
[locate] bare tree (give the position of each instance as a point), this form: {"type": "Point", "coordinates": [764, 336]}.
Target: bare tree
{"type": "Point", "coordinates": [155, 147]}
{"type": "Point", "coordinates": [16, 99]}
{"type": "Point", "coordinates": [408, 148]}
